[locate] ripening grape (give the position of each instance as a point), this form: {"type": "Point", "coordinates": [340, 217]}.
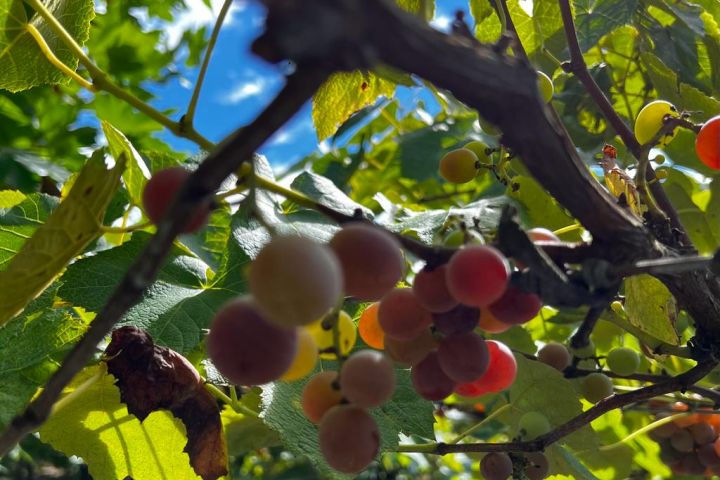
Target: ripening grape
{"type": "Point", "coordinates": [459, 166]}
{"type": "Point", "coordinates": [496, 466]}
{"type": "Point", "coordinates": [323, 333]}
{"type": "Point", "coordinates": [477, 275]}
{"type": "Point", "coordinates": [490, 324]}
{"type": "Point", "coordinates": [246, 348]}
{"type": "Point", "coordinates": [410, 352]}
{"type": "Point", "coordinates": [596, 387]}
{"type": "Point", "coordinates": [649, 121]}
{"type": "Point", "coordinates": [430, 289]}
{"type": "Point", "coordinates": [516, 307]}
{"type": "Point", "coordinates": [463, 357]}
{"type": "Point", "coordinates": [371, 259]}
{"type": "Point", "coordinates": [707, 143]}
{"type": "Point", "coordinates": [682, 441]}
{"type": "Point", "coordinates": [367, 379]}
{"type": "Point", "coordinates": [369, 327]}
{"type": "Point", "coordinates": [538, 466]}
{"type": "Point", "coordinates": [161, 190]}
{"type": "Point", "coordinates": [320, 394]}
{"type": "Point", "coordinates": [556, 355]}
{"type": "Point", "coordinates": [305, 358]}
{"type": "Point", "coordinates": [429, 379]}
{"type": "Point", "coordinates": [401, 316]}
{"type": "Point", "coordinates": [623, 361]}
{"type": "Point", "coordinates": [545, 85]}
{"type": "Point", "coordinates": [461, 319]}
{"type": "Point", "coordinates": [708, 456]}
{"type": "Point", "coordinates": [501, 372]}
{"type": "Point", "coordinates": [461, 237]}
{"type": "Point", "coordinates": [295, 280]}
{"type": "Point", "coordinates": [349, 438]}
{"type": "Point", "coordinates": [533, 424]}
{"type": "Point", "coordinates": [702, 433]}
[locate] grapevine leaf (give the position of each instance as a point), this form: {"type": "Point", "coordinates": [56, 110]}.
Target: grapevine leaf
{"type": "Point", "coordinates": [22, 64]}
{"type": "Point", "coordinates": [136, 174]}
{"type": "Point", "coordinates": [651, 307]}
{"type": "Point", "coordinates": [324, 191]}
{"type": "Point", "coordinates": [113, 442]}
{"type": "Point", "coordinates": [18, 221]}
{"type": "Point", "coordinates": [61, 238]}
{"type": "Point", "coordinates": [595, 18]}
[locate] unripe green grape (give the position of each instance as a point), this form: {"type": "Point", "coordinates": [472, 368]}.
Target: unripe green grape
{"type": "Point", "coordinates": [458, 166]}
{"type": "Point", "coordinates": [533, 424]}
{"type": "Point", "coordinates": [584, 352]}
{"type": "Point", "coordinates": [556, 355]}
{"type": "Point", "coordinates": [324, 336]}
{"type": "Point", "coordinates": [460, 237]}
{"type": "Point", "coordinates": [545, 85]}
{"type": "Point", "coordinates": [479, 149]}
{"type": "Point", "coordinates": [596, 387]}
{"type": "Point", "coordinates": [650, 120]}
{"type": "Point", "coordinates": [661, 174]}
{"type": "Point", "coordinates": [659, 159]}
{"type": "Point", "coordinates": [623, 361]}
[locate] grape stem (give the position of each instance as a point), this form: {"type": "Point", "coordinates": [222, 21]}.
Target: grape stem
{"type": "Point", "coordinates": [479, 424]}
{"type": "Point", "coordinates": [237, 406]}
{"type": "Point", "coordinates": [643, 430]}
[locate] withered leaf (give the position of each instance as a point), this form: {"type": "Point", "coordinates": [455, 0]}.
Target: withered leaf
{"type": "Point", "coordinates": [152, 378]}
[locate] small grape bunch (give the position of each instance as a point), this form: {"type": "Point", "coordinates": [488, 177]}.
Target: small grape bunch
{"type": "Point", "coordinates": [499, 466]}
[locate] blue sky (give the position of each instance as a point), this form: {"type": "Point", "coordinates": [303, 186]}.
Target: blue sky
{"type": "Point", "coordinates": [238, 85]}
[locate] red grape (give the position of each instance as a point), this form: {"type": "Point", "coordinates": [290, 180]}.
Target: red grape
{"type": "Point", "coordinates": [367, 379]}
{"type": "Point", "coordinates": [500, 374]}
{"type": "Point", "coordinates": [496, 466]}
{"type": "Point", "coordinates": [401, 316]}
{"type": "Point", "coordinates": [430, 288]}
{"type": "Point", "coordinates": [516, 307]}
{"type": "Point", "coordinates": [246, 348]}
{"type": "Point", "coordinates": [461, 319]}
{"type": "Point", "coordinates": [429, 379]}
{"type": "Point", "coordinates": [349, 438]}
{"type": "Point", "coordinates": [320, 395]}
{"type": "Point", "coordinates": [707, 143]}
{"type": "Point", "coordinates": [477, 275]}
{"type": "Point", "coordinates": [463, 357]}
{"type": "Point", "coordinates": [410, 352]}
{"type": "Point", "coordinates": [538, 466]}
{"type": "Point", "coordinates": [161, 190]}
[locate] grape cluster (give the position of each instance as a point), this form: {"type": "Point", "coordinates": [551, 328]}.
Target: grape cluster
{"type": "Point", "coordinates": [689, 444]}
{"type": "Point", "coordinates": [499, 466]}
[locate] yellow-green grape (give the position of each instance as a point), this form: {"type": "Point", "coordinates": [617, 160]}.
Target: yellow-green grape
{"type": "Point", "coordinates": [618, 308]}
{"type": "Point", "coordinates": [458, 166]}
{"type": "Point", "coordinates": [305, 358]}
{"type": "Point", "coordinates": [650, 120]}
{"type": "Point", "coordinates": [596, 387]}
{"type": "Point", "coordinates": [623, 361]}
{"type": "Point", "coordinates": [545, 85]}
{"type": "Point", "coordinates": [488, 127]}
{"type": "Point", "coordinates": [661, 174]}
{"type": "Point", "coordinates": [460, 237]}
{"type": "Point", "coordinates": [324, 338]}
{"type": "Point", "coordinates": [479, 149]}
{"type": "Point", "coordinates": [659, 159]}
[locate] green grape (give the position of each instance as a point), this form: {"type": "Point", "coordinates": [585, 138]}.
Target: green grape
{"type": "Point", "coordinates": [458, 238]}
{"type": "Point", "coordinates": [596, 387]}
{"type": "Point", "coordinates": [533, 424]}
{"type": "Point", "coordinates": [324, 336]}
{"type": "Point", "coordinates": [556, 355]}
{"type": "Point", "coordinates": [545, 85]}
{"type": "Point", "coordinates": [479, 149]}
{"type": "Point", "coordinates": [458, 166]}
{"type": "Point", "coordinates": [650, 120]}
{"type": "Point", "coordinates": [584, 352]}
{"type": "Point", "coordinates": [623, 361]}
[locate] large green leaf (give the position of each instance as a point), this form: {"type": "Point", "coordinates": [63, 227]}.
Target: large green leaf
{"type": "Point", "coordinates": [19, 222]}
{"type": "Point", "coordinates": [22, 64]}
{"type": "Point", "coordinates": [595, 18]}
{"type": "Point", "coordinates": [93, 424]}
{"type": "Point", "coordinates": [136, 173]}
{"type": "Point", "coordinates": [651, 307]}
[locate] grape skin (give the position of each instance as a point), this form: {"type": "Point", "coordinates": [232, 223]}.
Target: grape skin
{"type": "Point", "coordinates": [349, 438]}
{"type": "Point", "coordinates": [429, 379]}
{"type": "Point", "coordinates": [463, 357]}
{"type": "Point", "coordinates": [320, 395]}
{"type": "Point", "coordinates": [596, 386]}
{"type": "Point", "coordinates": [496, 466]}
{"type": "Point", "coordinates": [246, 348]}
{"type": "Point", "coordinates": [623, 361]}
{"type": "Point", "coordinates": [516, 307]}
{"type": "Point", "coordinates": [556, 355]}
{"type": "Point", "coordinates": [411, 352]}
{"type": "Point", "coordinates": [461, 319]}
{"type": "Point", "coordinates": [458, 166]}
{"type": "Point", "coordinates": [295, 280]}
{"type": "Point", "coordinates": [305, 358]}
{"type": "Point", "coordinates": [401, 316]}
{"type": "Point", "coordinates": [161, 190]}
{"type": "Point", "coordinates": [500, 374]}
{"type": "Point", "coordinates": [371, 259]}
{"type": "Point", "coordinates": [430, 288]}
{"type": "Point", "coordinates": [538, 466]}
{"type": "Point", "coordinates": [367, 379]}
{"type": "Point", "coordinates": [477, 275]}
{"type": "Point", "coordinates": [369, 327]}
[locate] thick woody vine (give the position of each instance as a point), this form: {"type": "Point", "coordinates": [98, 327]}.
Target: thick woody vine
{"type": "Point", "coordinates": [324, 36]}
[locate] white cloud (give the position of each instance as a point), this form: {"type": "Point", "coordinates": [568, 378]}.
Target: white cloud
{"type": "Point", "coordinates": [288, 134]}
{"type": "Point", "coordinates": [246, 89]}
{"type": "Point", "coordinates": [441, 22]}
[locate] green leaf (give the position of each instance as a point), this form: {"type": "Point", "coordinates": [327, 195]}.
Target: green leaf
{"type": "Point", "coordinates": [344, 94]}
{"type": "Point", "coordinates": [324, 191]}
{"type": "Point", "coordinates": [61, 238]}
{"type": "Point", "coordinates": [35, 164]}
{"type": "Point", "coordinates": [692, 218]}
{"type": "Point", "coordinates": [18, 222]}
{"type": "Point", "coordinates": [136, 174]}
{"type": "Point", "coordinates": [406, 412]}
{"type": "Point", "coordinates": [244, 433]}
{"type": "Point", "coordinates": [22, 64]}
{"type": "Point", "coordinates": [112, 442]}
{"type": "Point", "coordinates": [651, 307]}
{"type": "Point", "coordinates": [595, 18]}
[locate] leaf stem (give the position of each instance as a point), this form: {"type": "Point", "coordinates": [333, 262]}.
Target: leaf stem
{"type": "Point", "coordinates": [235, 405]}
{"type": "Point", "coordinates": [480, 424]}
{"type": "Point", "coordinates": [47, 51]}
{"type": "Point", "coordinates": [127, 229]}
{"type": "Point", "coordinates": [643, 430]}
{"type": "Point", "coordinates": [187, 119]}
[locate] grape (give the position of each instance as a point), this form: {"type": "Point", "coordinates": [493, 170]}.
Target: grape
{"type": "Point", "coordinates": [556, 355]}
{"type": "Point", "coordinates": [305, 358]}
{"type": "Point", "coordinates": [477, 275]}
{"type": "Point", "coordinates": [690, 464]}
{"type": "Point", "coordinates": [665, 430]}
{"type": "Point", "coordinates": [461, 237]}
{"type": "Point", "coordinates": [516, 307]}
{"type": "Point", "coordinates": [707, 143]}
{"type": "Point", "coordinates": [410, 352]}
{"type": "Point", "coordinates": [429, 379]}
{"type": "Point", "coordinates": [496, 466]}
{"type": "Point", "coordinates": [295, 280]}
{"type": "Point", "coordinates": [533, 424]}
{"type": "Point", "coordinates": [430, 289]}
{"type": "Point", "coordinates": [369, 327]}
{"type": "Point", "coordinates": [708, 456]}
{"type": "Point", "coordinates": [367, 379]}
{"type": "Point", "coordinates": [623, 361]}
{"type": "Point", "coordinates": [479, 149]}
{"type": "Point", "coordinates": [245, 347]}
{"type": "Point", "coordinates": [161, 190]}
{"type": "Point", "coordinates": [596, 387]}
{"type": "Point", "coordinates": [501, 372]}
{"type": "Point", "coordinates": [458, 166]}
{"type": "Point", "coordinates": [650, 120]}
{"type": "Point", "coordinates": [371, 259]}
{"type": "Point", "coordinates": [463, 357]}
{"type": "Point", "coordinates": [320, 394]}
{"type": "Point", "coordinates": [349, 438]}
{"type": "Point", "coordinates": [702, 433]}
{"type": "Point", "coordinates": [401, 316]}
{"type": "Point", "coordinates": [323, 333]}
{"type": "Point", "coordinates": [491, 324]}
{"type": "Point", "coordinates": [539, 234]}
{"type": "Point", "coordinates": [538, 466]}
{"type": "Point", "coordinates": [545, 85]}
{"type": "Point", "coordinates": [461, 319]}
